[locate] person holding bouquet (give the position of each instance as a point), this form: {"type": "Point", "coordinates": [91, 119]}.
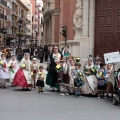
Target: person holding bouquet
{"type": "Point", "coordinates": [3, 71]}
{"type": "Point", "coordinates": [34, 70]}
{"type": "Point", "coordinates": [13, 67]}
{"type": "Point", "coordinates": [22, 77]}
{"type": "Point", "coordinates": [40, 79]}
{"type": "Point", "coordinates": [91, 81]}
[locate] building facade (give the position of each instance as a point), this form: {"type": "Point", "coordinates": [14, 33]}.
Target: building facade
{"type": "Point", "coordinates": [51, 21]}
{"type": "Point", "coordinates": [16, 10]}
{"type": "Point", "coordinates": [93, 26]}
{"type": "Point", "coordinates": [3, 19]}
{"type": "Point", "coordinates": [29, 17]}
{"type": "Point", "coordinates": [37, 25]}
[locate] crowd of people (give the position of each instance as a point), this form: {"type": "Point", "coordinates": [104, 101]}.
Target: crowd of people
{"type": "Point", "coordinates": [64, 72]}
{"type": "Point", "coordinates": [40, 52]}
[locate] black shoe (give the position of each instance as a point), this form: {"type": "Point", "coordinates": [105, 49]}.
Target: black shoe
{"type": "Point", "coordinates": [4, 86]}
{"type": "Point", "coordinates": [12, 86]}
{"type": "Point", "coordinates": [23, 89]}
{"type": "Point", "coordinates": [1, 86]}
{"type": "Point", "coordinates": [52, 90]}
{"type": "Point", "coordinates": [58, 90]}
{"type": "Point", "coordinates": [27, 89]}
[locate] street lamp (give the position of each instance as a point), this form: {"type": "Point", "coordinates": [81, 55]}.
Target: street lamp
{"type": "Point", "coordinates": [4, 32]}
{"type": "Point", "coordinates": [19, 35]}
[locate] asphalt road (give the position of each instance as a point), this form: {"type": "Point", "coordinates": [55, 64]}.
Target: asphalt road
{"type": "Point", "coordinates": [30, 105]}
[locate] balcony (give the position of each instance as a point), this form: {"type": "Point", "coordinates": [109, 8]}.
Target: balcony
{"type": "Point", "coordinates": [2, 30]}
{"type": "Point", "coordinates": [11, 35]}
{"type": "Point", "coordinates": [9, 23]}
{"type": "Point", "coordinates": [2, 16]}
{"type": "Point", "coordinates": [15, 12]}
{"type": "Point", "coordinates": [15, 24]}
{"type": "Point", "coordinates": [3, 2]}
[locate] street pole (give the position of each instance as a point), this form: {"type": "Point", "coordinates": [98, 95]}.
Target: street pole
{"type": "Point", "coordinates": [65, 41]}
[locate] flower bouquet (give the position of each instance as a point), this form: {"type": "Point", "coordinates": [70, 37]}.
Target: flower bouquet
{"type": "Point", "coordinates": [93, 70]}
{"type": "Point", "coordinates": [23, 66]}
{"type": "Point", "coordinates": [11, 68]}
{"type": "Point", "coordinates": [40, 73]}
{"type": "Point", "coordinates": [31, 74]}
{"type": "Point", "coordinates": [1, 64]}
{"type": "Point", "coordinates": [79, 80]}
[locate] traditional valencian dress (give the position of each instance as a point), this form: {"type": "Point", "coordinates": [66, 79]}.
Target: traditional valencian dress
{"type": "Point", "coordinates": [52, 76]}
{"type": "Point", "coordinates": [34, 71]}
{"type": "Point", "coordinates": [4, 74]}
{"type": "Point", "coordinates": [22, 77]}
{"type": "Point", "coordinates": [90, 86]}
{"type": "Point", "coordinates": [13, 69]}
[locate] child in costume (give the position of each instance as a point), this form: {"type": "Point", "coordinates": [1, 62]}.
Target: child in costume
{"type": "Point", "coordinates": [13, 67]}
{"type": "Point", "coordinates": [22, 77]}
{"type": "Point", "coordinates": [66, 52]}
{"type": "Point", "coordinates": [40, 79]}
{"type": "Point", "coordinates": [34, 70]}
{"type": "Point", "coordinates": [78, 79]}
{"type": "Point", "coordinates": [109, 69]}
{"type": "Point", "coordinates": [97, 63]}
{"type": "Point", "coordinates": [65, 77]}
{"type": "Point", "coordinates": [3, 71]}
{"type": "Point", "coordinates": [91, 80]}
{"type": "Point", "coordinates": [102, 76]}
{"type": "Point", "coordinates": [72, 68]}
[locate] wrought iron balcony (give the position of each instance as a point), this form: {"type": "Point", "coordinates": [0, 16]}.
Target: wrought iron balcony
{"type": "Point", "coordinates": [3, 2]}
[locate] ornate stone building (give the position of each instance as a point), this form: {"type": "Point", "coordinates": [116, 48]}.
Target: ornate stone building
{"type": "Point", "coordinates": [51, 21]}
{"type": "Point", "coordinates": [93, 26]}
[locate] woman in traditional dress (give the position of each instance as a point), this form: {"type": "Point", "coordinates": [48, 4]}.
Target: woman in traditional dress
{"type": "Point", "coordinates": [90, 86]}
{"type": "Point", "coordinates": [22, 77]}
{"type": "Point", "coordinates": [13, 67]}
{"type": "Point", "coordinates": [3, 71]}
{"type": "Point", "coordinates": [52, 76]}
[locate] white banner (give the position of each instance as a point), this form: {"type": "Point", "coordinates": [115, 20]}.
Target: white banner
{"type": "Point", "coordinates": [112, 57]}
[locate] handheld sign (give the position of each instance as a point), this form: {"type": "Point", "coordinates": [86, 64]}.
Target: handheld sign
{"type": "Point", "coordinates": [112, 57]}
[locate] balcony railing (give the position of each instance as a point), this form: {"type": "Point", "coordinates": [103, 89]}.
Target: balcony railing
{"type": "Point", "coordinates": [3, 2]}
{"type": "Point", "coordinates": [3, 16]}
{"type": "Point", "coordinates": [2, 30]}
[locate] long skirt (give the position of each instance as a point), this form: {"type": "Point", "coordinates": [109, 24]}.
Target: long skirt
{"type": "Point", "coordinates": [4, 75]}
{"type": "Point", "coordinates": [90, 86]}
{"type": "Point", "coordinates": [52, 80]}
{"type": "Point", "coordinates": [20, 79]}
{"type": "Point", "coordinates": [66, 78]}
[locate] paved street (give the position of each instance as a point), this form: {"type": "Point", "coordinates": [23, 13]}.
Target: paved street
{"type": "Point", "coordinates": [30, 105]}
{"type": "Point", "coordinates": [20, 105]}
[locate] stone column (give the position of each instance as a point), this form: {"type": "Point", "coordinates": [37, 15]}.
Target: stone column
{"type": "Point", "coordinates": [85, 18]}
{"type": "Point", "coordinates": [78, 19]}
{"type": "Point", "coordinates": [92, 26]}
{"type": "Point", "coordinates": [84, 41]}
